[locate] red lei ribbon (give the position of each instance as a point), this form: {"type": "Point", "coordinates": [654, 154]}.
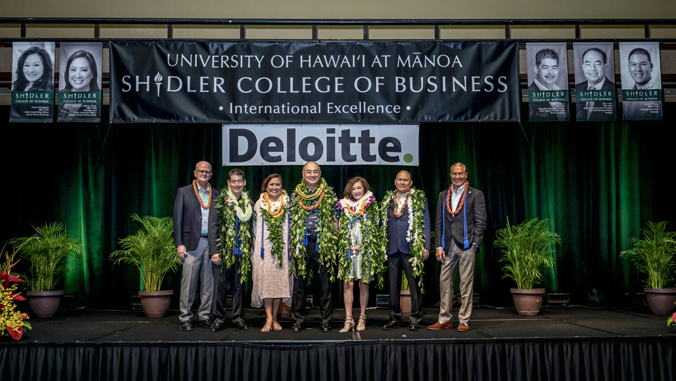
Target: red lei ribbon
{"type": "Point", "coordinates": [194, 185]}
{"type": "Point", "coordinates": [462, 201]}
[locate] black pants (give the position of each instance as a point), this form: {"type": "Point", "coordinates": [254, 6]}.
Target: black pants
{"type": "Point", "coordinates": [395, 262]}
{"type": "Point", "coordinates": [227, 280]}
{"type": "Point", "coordinates": [326, 306]}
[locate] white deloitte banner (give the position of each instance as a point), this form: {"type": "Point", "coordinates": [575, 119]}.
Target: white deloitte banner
{"type": "Point", "coordinates": [324, 144]}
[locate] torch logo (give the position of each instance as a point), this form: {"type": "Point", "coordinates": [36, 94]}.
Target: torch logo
{"type": "Point", "coordinates": [158, 82]}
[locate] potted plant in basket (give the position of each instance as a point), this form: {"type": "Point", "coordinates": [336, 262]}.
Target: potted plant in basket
{"type": "Point", "coordinates": [46, 250]}
{"type": "Point", "coordinates": [655, 255]}
{"type": "Point", "coordinates": [153, 252]}
{"type": "Point", "coordinates": [526, 252]}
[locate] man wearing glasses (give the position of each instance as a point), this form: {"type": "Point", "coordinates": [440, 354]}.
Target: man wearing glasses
{"type": "Point", "coordinates": [195, 229]}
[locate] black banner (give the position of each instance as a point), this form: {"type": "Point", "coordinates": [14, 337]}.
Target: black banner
{"type": "Point", "coordinates": [319, 82]}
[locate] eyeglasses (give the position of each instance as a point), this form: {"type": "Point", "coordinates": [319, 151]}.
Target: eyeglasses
{"type": "Point", "coordinates": [203, 172]}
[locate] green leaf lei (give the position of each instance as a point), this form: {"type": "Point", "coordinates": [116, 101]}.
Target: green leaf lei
{"type": "Point", "coordinates": [415, 230]}
{"type": "Point", "coordinates": [226, 239]}
{"type": "Point", "coordinates": [374, 258]}
{"type": "Point", "coordinates": [326, 232]}
{"type": "Point", "coordinates": [275, 227]}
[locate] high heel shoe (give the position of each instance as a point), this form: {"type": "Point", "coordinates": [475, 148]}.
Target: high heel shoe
{"type": "Point", "coordinates": [266, 329]}
{"type": "Point", "coordinates": [362, 323]}
{"type": "Point", "coordinates": [276, 326]}
{"type": "Point", "coordinates": [349, 324]}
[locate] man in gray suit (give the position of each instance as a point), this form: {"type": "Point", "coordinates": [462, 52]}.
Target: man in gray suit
{"type": "Point", "coordinates": [460, 225]}
{"type": "Point", "coordinates": [195, 229]}
{"type": "Point", "coordinates": [399, 248]}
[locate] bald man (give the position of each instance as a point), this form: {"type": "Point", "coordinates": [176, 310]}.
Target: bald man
{"type": "Point", "coordinates": [400, 244]}
{"type": "Point", "coordinates": [308, 196]}
{"type": "Point", "coordinates": [195, 229]}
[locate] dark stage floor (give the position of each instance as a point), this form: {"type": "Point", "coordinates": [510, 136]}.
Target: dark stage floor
{"type": "Point", "coordinates": [95, 326]}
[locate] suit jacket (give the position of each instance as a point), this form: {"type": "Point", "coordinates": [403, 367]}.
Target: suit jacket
{"type": "Point", "coordinates": [534, 112]}
{"type": "Point", "coordinates": [397, 227]}
{"type": "Point", "coordinates": [188, 219]}
{"type": "Point", "coordinates": [476, 220]}
{"type": "Point", "coordinates": [581, 113]}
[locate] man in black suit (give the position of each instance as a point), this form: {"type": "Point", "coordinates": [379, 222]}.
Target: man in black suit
{"type": "Point", "coordinates": [195, 229]}
{"type": "Point", "coordinates": [230, 279]}
{"type": "Point", "coordinates": [461, 221]}
{"type": "Point", "coordinates": [399, 245]}
{"type": "Point", "coordinates": [594, 65]}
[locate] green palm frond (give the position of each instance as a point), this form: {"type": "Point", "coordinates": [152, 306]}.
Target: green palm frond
{"type": "Point", "coordinates": [46, 250]}
{"type": "Point", "coordinates": [526, 251]}
{"type": "Point", "coordinates": [151, 250]}
{"type": "Point", "coordinates": [654, 254]}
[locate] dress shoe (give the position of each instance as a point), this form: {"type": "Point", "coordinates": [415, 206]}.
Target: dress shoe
{"type": "Point", "coordinates": [439, 326]}
{"type": "Point", "coordinates": [241, 324]}
{"type": "Point", "coordinates": [296, 327]}
{"type": "Point", "coordinates": [216, 326]}
{"type": "Point", "coordinates": [206, 323]}
{"type": "Point", "coordinates": [413, 327]}
{"type": "Point", "coordinates": [392, 324]}
{"type": "Point", "coordinates": [326, 327]}
{"type": "Point", "coordinates": [186, 326]}
{"type": "Point", "coordinates": [463, 327]}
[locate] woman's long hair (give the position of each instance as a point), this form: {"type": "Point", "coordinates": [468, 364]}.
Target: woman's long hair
{"type": "Point", "coordinates": [94, 83]}
{"type": "Point", "coordinates": [43, 84]}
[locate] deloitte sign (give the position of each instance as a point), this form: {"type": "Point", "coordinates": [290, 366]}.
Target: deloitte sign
{"type": "Point", "coordinates": [324, 144]}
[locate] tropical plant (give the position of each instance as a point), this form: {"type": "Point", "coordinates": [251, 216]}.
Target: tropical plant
{"type": "Point", "coordinates": [654, 254]}
{"type": "Point", "coordinates": [404, 281]}
{"type": "Point", "coordinates": [151, 250]}
{"type": "Point", "coordinates": [526, 251]}
{"type": "Point", "coordinates": [12, 321]}
{"type": "Point", "coordinates": [47, 251]}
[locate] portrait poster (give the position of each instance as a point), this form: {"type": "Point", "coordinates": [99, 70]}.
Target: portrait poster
{"type": "Point", "coordinates": [548, 93]}
{"type": "Point", "coordinates": [32, 82]}
{"type": "Point", "coordinates": [641, 80]}
{"type": "Point", "coordinates": [595, 90]}
{"type": "Point", "coordinates": [80, 82]}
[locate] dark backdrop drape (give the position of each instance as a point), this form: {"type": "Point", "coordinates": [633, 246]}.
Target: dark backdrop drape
{"type": "Point", "coordinates": [597, 183]}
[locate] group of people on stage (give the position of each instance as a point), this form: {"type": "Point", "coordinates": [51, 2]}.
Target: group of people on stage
{"type": "Point", "coordinates": [224, 238]}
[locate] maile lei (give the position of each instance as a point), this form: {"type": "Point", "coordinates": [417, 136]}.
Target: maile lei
{"type": "Point", "coordinates": [361, 217]}
{"type": "Point", "coordinates": [273, 214]}
{"type": "Point", "coordinates": [228, 208]}
{"type": "Point", "coordinates": [322, 201]}
{"type": "Point", "coordinates": [414, 202]}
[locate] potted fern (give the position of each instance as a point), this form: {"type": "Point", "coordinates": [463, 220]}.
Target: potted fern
{"type": "Point", "coordinates": [655, 256]}
{"type": "Point", "coordinates": [526, 253]}
{"type": "Point", "coordinates": [47, 251]}
{"type": "Point", "coordinates": [152, 251]}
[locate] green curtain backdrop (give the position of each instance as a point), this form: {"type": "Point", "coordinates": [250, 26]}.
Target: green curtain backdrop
{"type": "Point", "coordinates": [597, 183]}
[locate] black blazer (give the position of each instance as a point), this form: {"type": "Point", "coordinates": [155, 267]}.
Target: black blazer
{"type": "Point", "coordinates": [188, 219]}
{"type": "Point", "coordinates": [581, 113]}
{"type": "Point", "coordinates": [476, 220]}
{"type": "Point", "coordinates": [397, 227]}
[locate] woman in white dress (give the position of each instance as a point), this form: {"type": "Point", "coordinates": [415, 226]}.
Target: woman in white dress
{"type": "Point", "coordinates": [272, 283]}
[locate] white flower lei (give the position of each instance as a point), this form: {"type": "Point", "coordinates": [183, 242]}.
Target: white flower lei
{"type": "Point", "coordinates": [409, 205]}
{"type": "Point", "coordinates": [243, 215]}
{"type": "Point", "coordinates": [346, 204]}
